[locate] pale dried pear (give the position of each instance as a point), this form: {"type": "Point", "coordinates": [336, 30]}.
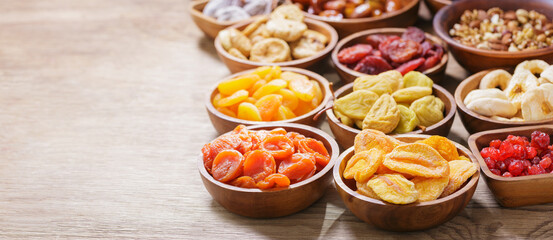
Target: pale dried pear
{"type": "Point", "coordinates": [236, 53]}
{"type": "Point", "coordinates": [383, 115]}
{"type": "Point", "coordinates": [410, 94]}
{"type": "Point", "coordinates": [289, 12]}
{"type": "Point", "coordinates": [311, 43]}
{"type": "Point", "coordinates": [357, 104]}
{"type": "Point", "coordinates": [270, 50]}
{"type": "Point", "coordinates": [343, 118]}
{"type": "Point", "coordinates": [535, 66]}
{"type": "Point", "coordinates": [287, 30]}
{"type": "Point", "coordinates": [493, 107]}
{"type": "Point", "coordinates": [252, 27]}
{"type": "Point", "coordinates": [232, 38]}
{"type": "Point", "coordinates": [417, 79]}
{"type": "Point", "coordinates": [484, 93]}
{"type": "Point", "coordinates": [496, 78]}
{"type": "Point", "coordinates": [407, 120]}
{"type": "Point", "coordinates": [429, 110]}
{"type": "Point", "coordinates": [537, 104]}
{"type": "Point", "coordinates": [394, 188]}
{"type": "Point", "coordinates": [521, 82]}
{"type": "Point", "coordinates": [386, 82]}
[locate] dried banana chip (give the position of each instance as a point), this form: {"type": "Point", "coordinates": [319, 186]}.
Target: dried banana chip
{"type": "Point", "coordinates": [459, 172]}
{"type": "Point", "coordinates": [383, 116]}
{"type": "Point", "coordinates": [394, 188]}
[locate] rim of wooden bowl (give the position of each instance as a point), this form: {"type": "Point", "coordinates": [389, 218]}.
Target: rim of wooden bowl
{"type": "Point", "coordinates": [409, 6]}
{"type": "Point", "coordinates": [323, 82]}
{"type": "Point", "coordinates": [445, 2]}
{"type": "Point", "coordinates": [315, 131]}
{"type": "Point", "coordinates": [331, 117]}
{"type": "Point", "coordinates": [331, 44]}
{"type": "Point", "coordinates": [466, 186]}
{"type": "Point", "coordinates": [504, 131]}
{"type": "Point", "coordinates": [461, 105]}
{"type": "Point", "coordinates": [455, 8]}
{"type": "Point", "coordinates": [195, 9]}
{"type": "Point", "coordinates": [347, 42]}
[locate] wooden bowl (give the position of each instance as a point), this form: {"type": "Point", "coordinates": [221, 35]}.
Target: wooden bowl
{"type": "Point", "coordinates": [435, 5]}
{"type": "Point", "coordinates": [436, 73]}
{"type": "Point", "coordinates": [410, 217]}
{"type": "Point", "coordinates": [210, 26]}
{"type": "Point", "coordinates": [258, 203]}
{"type": "Point", "coordinates": [513, 191]}
{"type": "Point", "coordinates": [475, 122]}
{"type": "Point", "coordinates": [407, 16]}
{"type": "Point", "coordinates": [235, 64]}
{"type": "Point", "coordinates": [345, 134]}
{"type": "Point", "coordinates": [223, 123]}
{"type": "Point", "coordinates": [474, 59]}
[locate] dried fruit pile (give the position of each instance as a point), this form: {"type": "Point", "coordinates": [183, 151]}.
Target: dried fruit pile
{"type": "Point", "coordinates": [389, 103]}
{"type": "Point", "coordinates": [516, 156]}
{"type": "Point", "coordinates": [281, 37]}
{"type": "Point", "coordinates": [234, 10]}
{"type": "Point", "coordinates": [518, 97]}
{"type": "Point", "coordinates": [412, 51]}
{"type": "Point", "coordinates": [387, 169]}
{"type": "Point", "coordinates": [263, 159]}
{"type": "Point", "coordinates": [268, 94]}
{"type": "Point", "coordinates": [339, 9]}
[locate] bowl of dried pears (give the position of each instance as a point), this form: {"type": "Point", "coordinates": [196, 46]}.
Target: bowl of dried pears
{"type": "Point", "coordinates": [405, 183]}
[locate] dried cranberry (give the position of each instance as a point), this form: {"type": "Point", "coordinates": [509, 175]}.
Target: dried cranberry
{"type": "Point", "coordinates": [535, 161]}
{"type": "Point", "coordinates": [414, 34]}
{"type": "Point", "coordinates": [535, 170]}
{"type": "Point", "coordinates": [410, 66]}
{"type": "Point", "coordinates": [489, 152]}
{"type": "Point", "coordinates": [490, 162]}
{"type": "Point", "coordinates": [519, 152]}
{"type": "Point", "coordinates": [372, 65]}
{"type": "Point", "coordinates": [507, 174]}
{"type": "Point", "coordinates": [515, 140]}
{"type": "Point", "coordinates": [545, 162]}
{"type": "Point", "coordinates": [354, 53]}
{"type": "Point", "coordinates": [495, 143]}
{"type": "Point", "coordinates": [495, 171]}
{"type": "Point", "coordinates": [531, 152]}
{"type": "Point", "coordinates": [376, 39]}
{"type": "Point", "coordinates": [400, 50]}
{"type": "Point", "coordinates": [526, 164]}
{"type": "Point", "coordinates": [516, 167]}
{"type": "Point", "coordinates": [501, 166]}
{"type": "Point", "coordinates": [505, 150]}
{"type": "Point", "coordinates": [540, 140]}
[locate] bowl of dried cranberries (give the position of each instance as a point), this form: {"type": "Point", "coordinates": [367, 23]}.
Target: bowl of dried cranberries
{"type": "Point", "coordinates": [517, 163]}
{"type": "Point", "coordinates": [378, 50]}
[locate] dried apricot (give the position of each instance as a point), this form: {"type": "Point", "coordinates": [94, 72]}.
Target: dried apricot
{"type": "Point", "coordinates": [318, 94]}
{"type": "Point", "coordinates": [279, 146]}
{"type": "Point", "coordinates": [417, 159]}
{"type": "Point", "coordinates": [244, 182]}
{"type": "Point", "coordinates": [363, 165]}
{"type": "Point", "coordinates": [256, 86]}
{"type": "Point", "coordinates": [283, 113]}
{"type": "Point", "coordinates": [298, 167]}
{"type": "Point", "coordinates": [226, 111]}
{"type": "Point", "coordinates": [304, 89]}
{"type": "Point", "coordinates": [446, 148]}
{"type": "Point", "coordinates": [310, 145]}
{"type": "Point", "coordinates": [303, 108]}
{"type": "Point", "coordinates": [248, 111]}
{"type": "Point", "coordinates": [215, 100]}
{"type": "Point", "coordinates": [275, 180]}
{"type": "Point", "coordinates": [213, 148]}
{"type": "Point", "coordinates": [268, 106]}
{"type": "Point", "coordinates": [289, 99]}
{"type": "Point", "coordinates": [271, 87]}
{"type": "Point", "coordinates": [290, 76]}
{"type": "Point", "coordinates": [460, 171]}
{"type": "Point", "coordinates": [394, 188]}
{"type": "Point", "coordinates": [227, 166]}
{"type": "Point", "coordinates": [235, 98]}
{"type": "Point", "coordinates": [369, 139]}
{"type": "Point", "coordinates": [430, 188]}
{"type": "Point", "coordinates": [243, 82]}
{"type": "Point", "coordinates": [259, 164]}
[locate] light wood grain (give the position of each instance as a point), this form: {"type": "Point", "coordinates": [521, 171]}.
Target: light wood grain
{"type": "Point", "coordinates": [102, 120]}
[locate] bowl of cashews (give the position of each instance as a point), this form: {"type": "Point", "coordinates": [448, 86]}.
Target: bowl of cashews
{"type": "Point", "coordinates": [494, 99]}
{"type": "Point", "coordinates": [284, 38]}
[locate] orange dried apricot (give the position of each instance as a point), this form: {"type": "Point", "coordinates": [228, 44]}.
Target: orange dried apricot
{"type": "Point", "coordinates": [279, 146]}
{"type": "Point", "coordinates": [226, 111]}
{"type": "Point", "coordinates": [417, 159]}
{"type": "Point", "coordinates": [227, 166]}
{"type": "Point", "coordinates": [268, 106]}
{"type": "Point", "coordinates": [289, 76]}
{"type": "Point", "coordinates": [289, 99]}
{"type": "Point", "coordinates": [275, 180]}
{"type": "Point", "coordinates": [256, 86]}
{"type": "Point", "coordinates": [446, 148]}
{"type": "Point", "coordinates": [224, 142]}
{"type": "Point", "coordinates": [283, 113]}
{"type": "Point", "coordinates": [248, 111]}
{"type": "Point", "coordinates": [310, 145]}
{"type": "Point", "coordinates": [303, 108]}
{"type": "Point", "coordinates": [270, 87]}
{"type": "Point", "coordinates": [228, 87]}
{"type": "Point", "coordinates": [318, 94]}
{"type": "Point", "coordinates": [298, 167]}
{"type": "Point", "coordinates": [235, 98]}
{"type": "Point", "coordinates": [304, 89]}
{"type": "Point", "coordinates": [259, 164]}
{"type": "Point", "coordinates": [244, 182]}
{"type": "Point", "coordinates": [215, 100]}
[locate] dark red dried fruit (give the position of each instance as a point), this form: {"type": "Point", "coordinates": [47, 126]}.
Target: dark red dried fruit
{"type": "Point", "coordinates": [540, 140]}
{"type": "Point", "coordinates": [415, 34]}
{"type": "Point", "coordinates": [495, 171]}
{"type": "Point", "coordinates": [354, 53]}
{"type": "Point", "coordinates": [400, 50]}
{"type": "Point", "coordinates": [372, 65]}
{"type": "Point", "coordinates": [495, 143]}
{"type": "Point", "coordinates": [515, 168]}
{"type": "Point", "coordinates": [410, 66]}
{"type": "Point", "coordinates": [425, 48]}
{"type": "Point", "coordinates": [429, 63]}
{"type": "Point", "coordinates": [387, 41]}
{"type": "Point", "coordinates": [375, 39]}
{"type": "Point", "coordinates": [507, 174]}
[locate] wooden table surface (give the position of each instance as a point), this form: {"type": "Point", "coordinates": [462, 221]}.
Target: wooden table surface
{"type": "Point", "coordinates": [102, 121]}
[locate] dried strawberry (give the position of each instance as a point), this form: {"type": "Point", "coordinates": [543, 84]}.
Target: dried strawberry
{"type": "Point", "coordinates": [354, 53]}
{"type": "Point", "coordinates": [410, 66]}
{"type": "Point", "coordinates": [372, 65]}
{"type": "Point", "coordinates": [414, 34]}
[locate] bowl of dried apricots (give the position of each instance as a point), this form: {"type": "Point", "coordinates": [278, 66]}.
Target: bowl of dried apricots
{"type": "Point", "coordinates": [390, 103]}
{"type": "Point", "coordinates": [268, 170]}
{"type": "Point", "coordinates": [268, 94]}
{"type": "Point", "coordinates": [407, 183]}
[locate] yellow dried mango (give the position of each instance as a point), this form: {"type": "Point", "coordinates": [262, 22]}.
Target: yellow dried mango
{"type": "Point", "coordinates": [408, 120]}
{"type": "Point", "coordinates": [394, 188]}
{"type": "Point", "coordinates": [430, 188]}
{"type": "Point", "coordinates": [283, 113]}
{"type": "Point", "coordinates": [363, 165]}
{"type": "Point", "coordinates": [229, 87]}
{"type": "Point", "coordinates": [417, 159]}
{"type": "Point", "coordinates": [417, 79]}
{"type": "Point", "coordinates": [429, 110]}
{"type": "Point", "coordinates": [383, 115]}
{"type": "Point", "coordinates": [271, 87]}
{"type": "Point", "coordinates": [370, 139]}
{"type": "Point", "coordinates": [411, 94]}
{"type": "Point", "coordinates": [460, 171]}
{"type": "Point", "coordinates": [289, 99]}
{"type": "Point", "coordinates": [446, 148]}
{"type": "Point", "coordinates": [237, 97]}
{"type": "Point", "coordinates": [303, 89]}
{"type": "Point", "coordinates": [357, 104]}
{"type": "Point", "coordinates": [365, 190]}
{"type": "Point", "coordinates": [248, 111]}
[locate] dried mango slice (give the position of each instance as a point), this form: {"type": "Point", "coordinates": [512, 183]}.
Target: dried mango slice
{"type": "Point", "coordinates": [386, 82]}
{"type": "Point", "coordinates": [248, 111]}
{"type": "Point", "coordinates": [411, 94]}
{"type": "Point", "coordinates": [429, 110]}
{"type": "Point", "coordinates": [237, 97]}
{"type": "Point", "coordinates": [394, 188]}
{"type": "Point", "coordinates": [357, 104]}
{"type": "Point", "coordinates": [289, 76]}
{"type": "Point", "coordinates": [289, 99]}
{"type": "Point", "coordinates": [363, 165]}
{"type": "Point", "coordinates": [227, 165]}
{"type": "Point", "coordinates": [417, 79]}
{"type": "Point", "coordinates": [271, 87]}
{"type": "Point", "coordinates": [446, 148]}
{"type": "Point", "coordinates": [304, 89]}
{"type": "Point", "coordinates": [460, 171]}
{"type": "Point", "coordinates": [408, 120]}
{"type": "Point", "coordinates": [226, 111]}
{"type": "Point", "coordinates": [283, 113]}
{"type": "Point", "coordinates": [383, 116]}
{"type": "Point", "coordinates": [369, 139]}
{"type": "Point", "coordinates": [417, 159]}
{"type": "Point", "coordinates": [268, 106]}
{"type": "Point", "coordinates": [430, 188]}
{"type": "Point", "coordinates": [343, 118]}
{"type": "Point", "coordinates": [275, 180]}
{"type": "Point", "coordinates": [228, 87]}
{"type": "Point", "coordinates": [364, 189]}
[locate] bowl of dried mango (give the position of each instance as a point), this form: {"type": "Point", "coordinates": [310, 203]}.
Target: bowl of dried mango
{"type": "Point", "coordinates": [270, 170]}
{"type": "Point", "coordinates": [268, 94]}
{"type": "Point", "coordinates": [405, 183]}
{"type": "Point", "coordinates": [494, 99]}
{"type": "Point", "coordinates": [390, 103]}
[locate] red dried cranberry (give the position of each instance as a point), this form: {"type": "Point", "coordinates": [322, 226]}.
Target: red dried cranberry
{"type": "Point", "coordinates": [490, 162]}
{"type": "Point", "coordinates": [410, 66]}
{"type": "Point", "coordinates": [495, 171]}
{"type": "Point", "coordinates": [531, 152]}
{"type": "Point", "coordinates": [515, 140]}
{"type": "Point", "coordinates": [354, 53]}
{"type": "Point", "coordinates": [540, 140]}
{"type": "Point", "coordinates": [519, 152]}
{"type": "Point", "coordinates": [495, 143]}
{"type": "Point", "coordinates": [507, 174]}
{"type": "Point", "coordinates": [489, 152]}
{"type": "Point", "coordinates": [535, 161]}
{"type": "Point", "coordinates": [545, 162]}
{"type": "Point", "coordinates": [535, 170]}
{"type": "Point", "coordinates": [515, 168]}
{"type": "Point", "coordinates": [526, 164]}
{"type": "Point", "coordinates": [501, 166]}
{"type": "Point", "coordinates": [505, 150]}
